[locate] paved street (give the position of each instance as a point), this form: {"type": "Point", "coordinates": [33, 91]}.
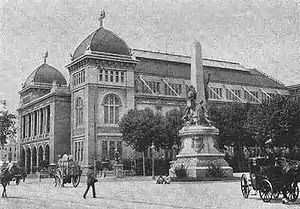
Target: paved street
{"type": "Point", "coordinates": [134, 194]}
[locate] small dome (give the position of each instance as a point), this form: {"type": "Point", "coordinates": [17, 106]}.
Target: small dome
{"type": "Point", "coordinates": [103, 40]}
{"type": "Point", "coordinates": [45, 74]}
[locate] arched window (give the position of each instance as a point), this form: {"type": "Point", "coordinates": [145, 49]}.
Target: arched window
{"type": "Point", "coordinates": [111, 109]}
{"type": "Point", "coordinates": [79, 111]}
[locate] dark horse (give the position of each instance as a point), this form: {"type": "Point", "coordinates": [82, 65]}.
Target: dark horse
{"type": "Point", "coordinates": [7, 174]}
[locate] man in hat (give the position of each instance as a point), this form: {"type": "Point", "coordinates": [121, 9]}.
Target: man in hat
{"type": "Point", "coordinates": [91, 180]}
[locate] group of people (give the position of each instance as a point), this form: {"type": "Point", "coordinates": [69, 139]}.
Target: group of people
{"type": "Point", "coordinates": [163, 179]}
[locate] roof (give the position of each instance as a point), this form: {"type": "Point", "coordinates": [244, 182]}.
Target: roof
{"type": "Point", "coordinates": [103, 40]}
{"type": "Point", "coordinates": [155, 63]}
{"type": "Point", "coordinates": [45, 74]}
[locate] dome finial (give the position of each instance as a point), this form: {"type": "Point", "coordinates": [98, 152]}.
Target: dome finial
{"type": "Point", "coordinates": [45, 57]}
{"type": "Point", "coordinates": [102, 16]}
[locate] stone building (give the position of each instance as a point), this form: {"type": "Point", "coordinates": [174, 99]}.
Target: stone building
{"type": "Point", "coordinates": [44, 117]}
{"type": "Point", "coordinates": [108, 78]}
{"type": "Point", "coordinates": [294, 91]}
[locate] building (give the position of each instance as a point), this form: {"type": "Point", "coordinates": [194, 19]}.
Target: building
{"type": "Point", "coordinates": [108, 78]}
{"type": "Point", "coordinates": [44, 117]}
{"type": "Point", "coordinates": [8, 152]}
{"type": "Point", "coordinates": [294, 91]}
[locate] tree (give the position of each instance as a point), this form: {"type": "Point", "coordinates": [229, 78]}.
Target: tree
{"type": "Point", "coordinates": [277, 119]}
{"type": "Point", "coordinates": [140, 128]}
{"type": "Point", "coordinates": [7, 126]}
{"type": "Point", "coordinates": [230, 119]}
{"type": "Point", "coordinates": [173, 123]}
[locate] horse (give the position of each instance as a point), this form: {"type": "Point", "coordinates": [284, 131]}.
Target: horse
{"type": "Point", "coordinates": [7, 174]}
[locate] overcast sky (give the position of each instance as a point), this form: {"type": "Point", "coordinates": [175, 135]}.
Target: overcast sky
{"type": "Point", "coordinates": [257, 34]}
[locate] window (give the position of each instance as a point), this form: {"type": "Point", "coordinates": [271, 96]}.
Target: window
{"type": "Point", "coordinates": [79, 111]}
{"type": "Point", "coordinates": [215, 93]}
{"type": "Point", "coordinates": [111, 109]}
{"type": "Point", "coordinates": [111, 76]}
{"type": "Point", "coordinates": [231, 96]}
{"type": "Point", "coordinates": [104, 149]}
{"type": "Point", "coordinates": [249, 97]}
{"type": "Point", "coordinates": [122, 77]}
{"type": "Point", "coordinates": [78, 77]}
{"type": "Point", "coordinates": [100, 74]}
{"type": "Point", "coordinates": [78, 151]}
{"type": "Point", "coordinates": [117, 76]}
{"type": "Point", "coordinates": [176, 87]}
{"type": "Point", "coordinates": [106, 75]}
{"type": "Point", "coordinates": [155, 86]}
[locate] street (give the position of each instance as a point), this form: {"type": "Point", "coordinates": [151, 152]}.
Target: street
{"type": "Point", "coordinates": [134, 194]}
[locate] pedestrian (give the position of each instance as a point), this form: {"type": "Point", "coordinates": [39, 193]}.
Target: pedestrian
{"type": "Point", "coordinates": [105, 166]}
{"type": "Point", "coordinates": [91, 180]}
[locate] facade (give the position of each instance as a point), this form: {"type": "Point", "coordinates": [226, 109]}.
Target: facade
{"type": "Point", "coordinates": [294, 91]}
{"type": "Point", "coordinates": [8, 153]}
{"type": "Point", "coordinates": [44, 117]}
{"type": "Point", "coordinates": [107, 79]}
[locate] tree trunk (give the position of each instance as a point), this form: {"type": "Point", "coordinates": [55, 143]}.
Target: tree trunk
{"type": "Point", "coordinates": [238, 156]}
{"type": "Point", "coordinates": [144, 167]}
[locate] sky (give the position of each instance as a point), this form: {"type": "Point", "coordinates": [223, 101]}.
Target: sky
{"type": "Point", "coordinates": [257, 34]}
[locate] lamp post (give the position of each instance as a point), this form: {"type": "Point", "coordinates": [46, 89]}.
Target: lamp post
{"type": "Point", "coordinates": [152, 149]}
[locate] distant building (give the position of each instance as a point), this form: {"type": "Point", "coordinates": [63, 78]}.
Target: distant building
{"type": "Point", "coordinates": [107, 79]}
{"type": "Point", "coordinates": [294, 91]}
{"type": "Point", "coordinates": [8, 152]}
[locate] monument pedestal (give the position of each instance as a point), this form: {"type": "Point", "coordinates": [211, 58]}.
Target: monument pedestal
{"type": "Point", "coordinates": [198, 152]}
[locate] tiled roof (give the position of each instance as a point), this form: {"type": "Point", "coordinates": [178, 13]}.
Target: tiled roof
{"type": "Point", "coordinates": [221, 71]}
{"type": "Point", "coordinates": [103, 40]}
{"type": "Point", "coordinates": [45, 74]}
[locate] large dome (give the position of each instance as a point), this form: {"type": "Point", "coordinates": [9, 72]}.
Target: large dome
{"type": "Point", "coordinates": [103, 40]}
{"type": "Point", "coordinates": [45, 74]}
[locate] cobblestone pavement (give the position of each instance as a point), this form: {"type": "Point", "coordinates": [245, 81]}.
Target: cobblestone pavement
{"type": "Point", "coordinates": [134, 194]}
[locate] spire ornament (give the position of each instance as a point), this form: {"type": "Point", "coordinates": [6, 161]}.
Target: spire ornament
{"type": "Point", "coordinates": [45, 57]}
{"type": "Point", "coordinates": [102, 16]}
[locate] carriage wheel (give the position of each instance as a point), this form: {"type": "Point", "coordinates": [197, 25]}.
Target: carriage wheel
{"type": "Point", "coordinates": [265, 190]}
{"type": "Point", "coordinates": [75, 180]}
{"type": "Point", "coordinates": [245, 187]}
{"type": "Point", "coordinates": [292, 192]}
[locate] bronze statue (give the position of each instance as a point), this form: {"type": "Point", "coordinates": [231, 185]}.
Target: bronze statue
{"type": "Point", "coordinates": [195, 114]}
{"type": "Point", "coordinates": [190, 106]}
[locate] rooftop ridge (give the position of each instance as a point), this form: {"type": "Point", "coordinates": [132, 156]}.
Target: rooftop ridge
{"type": "Point", "coordinates": [186, 56]}
{"type": "Point", "coordinates": [269, 76]}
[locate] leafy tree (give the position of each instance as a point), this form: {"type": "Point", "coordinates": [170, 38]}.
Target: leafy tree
{"type": "Point", "coordinates": [277, 120]}
{"type": "Point", "coordinates": [7, 126]}
{"type": "Point", "coordinates": [230, 119]}
{"type": "Point", "coordinates": [141, 128]}
{"type": "Point", "coordinates": [173, 123]}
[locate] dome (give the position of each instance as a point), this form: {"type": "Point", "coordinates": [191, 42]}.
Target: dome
{"type": "Point", "coordinates": [103, 40]}
{"type": "Point", "coordinates": [45, 74]}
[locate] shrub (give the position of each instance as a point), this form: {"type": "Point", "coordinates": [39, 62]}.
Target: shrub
{"type": "Point", "coordinates": [215, 170]}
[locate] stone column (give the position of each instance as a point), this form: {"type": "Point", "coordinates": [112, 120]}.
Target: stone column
{"type": "Point", "coordinates": [25, 156]}
{"type": "Point", "coordinates": [31, 164]}
{"type": "Point", "coordinates": [45, 119]}
{"type": "Point", "coordinates": [38, 121]}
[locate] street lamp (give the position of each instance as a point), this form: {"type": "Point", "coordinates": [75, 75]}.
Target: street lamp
{"type": "Point", "coordinates": [152, 148]}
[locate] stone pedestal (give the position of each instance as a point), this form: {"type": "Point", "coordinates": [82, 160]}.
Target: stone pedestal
{"type": "Point", "coordinates": [119, 170]}
{"type": "Point", "coordinates": [198, 151]}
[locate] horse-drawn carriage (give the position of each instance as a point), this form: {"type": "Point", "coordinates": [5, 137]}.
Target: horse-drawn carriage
{"type": "Point", "coordinates": [67, 171]}
{"type": "Point", "coordinates": [272, 178]}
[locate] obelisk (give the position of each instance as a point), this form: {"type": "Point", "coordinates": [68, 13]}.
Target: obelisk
{"type": "Point", "coordinates": [197, 72]}
{"type": "Point", "coordinates": [198, 150]}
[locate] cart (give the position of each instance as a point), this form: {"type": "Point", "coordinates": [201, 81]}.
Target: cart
{"type": "Point", "coordinates": [271, 180]}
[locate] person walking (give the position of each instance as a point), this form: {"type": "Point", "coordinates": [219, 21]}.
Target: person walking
{"type": "Point", "coordinates": [91, 180]}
